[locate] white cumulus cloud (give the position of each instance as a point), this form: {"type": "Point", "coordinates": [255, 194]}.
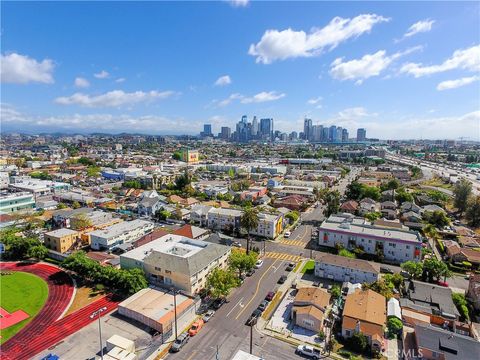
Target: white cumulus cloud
{"type": "Point", "coordinates": [239, 3]}
{"type": "Point", "coordinates": [115, 98]}
{"type": "Point", "coordinates": [263, 96]}
{"type": "Point", "coordinates": [21, 69]}
{"type": "Point", "coordinates": [120, 80]}
{"type": "Point", "coordinates": [453, 84]}
{"type": "Point", "coordinates": [81, 82]}
{"type": "Point", "coordinates": [467, 59]}
{"type": "Point", "coordinates": [223, 80]}
{"type": "Point", "coordinates": [419, 27]}
{"type": "Point", "coordinates": [314, 101]}
{"type": "Point", "coordinates": [281, 45]}
{"type": "Point", "coordinates": [367, 66]}
{"type": "Point", "coordinates": [102, 74]}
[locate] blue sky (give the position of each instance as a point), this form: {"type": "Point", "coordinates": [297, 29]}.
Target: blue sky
{"type": "Point", "coordinates": [402, 70]}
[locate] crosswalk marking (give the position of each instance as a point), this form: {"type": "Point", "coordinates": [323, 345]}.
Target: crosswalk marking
{"type": "Point", "coordinates": [297, 243]}
{"type": "Point", "coordinates": [282, 256]}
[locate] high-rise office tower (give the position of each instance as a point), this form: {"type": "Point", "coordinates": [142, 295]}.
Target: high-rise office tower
{"type": "Point", "coordinates": [226, 133]}
{"type": "Point", "coordinates": [344, 135]}
{"type": "Point", "coordinates": [207, 129]}
{"type": "Point", "coordinates": [293, 135]}
{"type": "Point", "coordinates": [332, 133]}
{"type": "Point", "coordinates": [307, 129]}
{"type": "Point", "coordinates": [339, 134]}
{"type": "Point", "coordinates": [254, 127]}
{"type": "Point", "coordinates": [325, 132]}
{"type": "Point", "coordinates": [361, 135]}
{"type": "Point", "coordinates": [266, 129]}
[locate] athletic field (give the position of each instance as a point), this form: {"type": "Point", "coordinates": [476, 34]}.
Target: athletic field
{"type": "Point", "coordinates": [21, 291]}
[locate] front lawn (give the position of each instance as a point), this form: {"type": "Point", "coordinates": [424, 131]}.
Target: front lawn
{"type": "Point", "coordinates": [309, 267]}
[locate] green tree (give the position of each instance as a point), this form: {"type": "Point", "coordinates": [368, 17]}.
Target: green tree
{"type": "Point", "coordinates": [372, 216]}
{"type": "Point", "coordinates": [80, 222]}
{"type": "Point", "coordinates": [93, 171]}
{"type": "Point", "coordinates": [392, 184]}
{"type": "Point", "coordinates": [402, 196]}
{"type": "Point", "coordinates": [163, 214]}
{"type": "Point", "coordinates": [473, 212]}
{"type": "Point", "coordinates": [354, 191]}
{"type": "Point", "coordinates": [76, 205]}
{"type": "Point", "coordinates": [346, 253]}
{"type": "Point", "coordinates": [249, 222]}
{"type": "Point", "coordinates": [461, 304]}
{"type": "Point", "coordinates": [358, 342]}
{"type": "Point", "coordinates": [436, 269]}
{"type": "Point", "coordinates": [371, 192]}
{"type": "Point", "coordinates": [241, 261]}
{"type": "Point", "coordinates": [177, 155]}
{"type": "Point", "coordinates": [183, 181]}
{"type": "Point", "coordinates": [382, 287]}
{"type": "Point", "coordinates": [292, 216]}
{"type": "Point", "coordinates": [394, 326]}
{"type": "Point", "coordinates": [437, 218]}
{"type": "Point", "coordinates": [461, 193]}
{"type": "Point", "coordinates": [336, 291]}
{"type": "Point", "coordinates": [132, 184]}
{"type": "Point", "coordinates": [231, 173]}
{"type": "Point", "coordinates": [86, 161]}
{"type": "Point", "coordinates": [220, 282]}
{"type": "Point", "coordinates": [414, 269]}
{"type": "Point", "coordinates": [38, 252]}
{"type": "Point", "coordinates": [332, 200]}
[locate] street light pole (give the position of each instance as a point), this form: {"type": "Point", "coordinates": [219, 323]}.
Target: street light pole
{"type": "Point", "coordinates": [251, 338]}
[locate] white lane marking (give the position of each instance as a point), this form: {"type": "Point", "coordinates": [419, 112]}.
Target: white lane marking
{"type": "Point", "coordinates": [238, 303]}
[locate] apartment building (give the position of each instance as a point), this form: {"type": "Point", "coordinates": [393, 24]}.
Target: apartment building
{"type": "Point", "coordinates": [16, 201]}
{"type": "Point", "coordinates": [340, 268]}
{"type": "Point", "coordinates": [177, 261]}
{"type": "Point", "coordinates": [394, 245]}
{"type": "Point", "coordinates": [121, 233]}
{"type": "Point", "coordinates": [269, 225]}
{"type": "Point", "coordinates": [61, 240]}
{"type": "Point", "coordinates": [37, 187]}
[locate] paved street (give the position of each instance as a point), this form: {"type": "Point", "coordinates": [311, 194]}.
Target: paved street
{"type": "Point", "coordinates": [227, 328]}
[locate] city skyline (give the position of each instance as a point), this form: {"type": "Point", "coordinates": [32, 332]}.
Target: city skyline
{"type": "Point", "coordinates": [400, 70]}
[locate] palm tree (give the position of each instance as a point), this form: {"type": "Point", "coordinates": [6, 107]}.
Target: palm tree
{"type": "Point", "coordinates": [249, 221]}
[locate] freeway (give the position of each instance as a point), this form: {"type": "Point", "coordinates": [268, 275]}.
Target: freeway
{"type": "Point", "coordinates": [431, 168]}
{"type": "Point", "coordinates": [227, 333]}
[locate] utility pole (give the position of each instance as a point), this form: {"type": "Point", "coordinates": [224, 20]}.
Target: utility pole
{"type": "Point", "coordinates": [175, 310]}
{"type": "Point", "coordinates": [251, 337]}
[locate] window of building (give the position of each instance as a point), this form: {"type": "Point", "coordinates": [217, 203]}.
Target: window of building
{"type": "Point", "coordinates": [168, 272]}
{"type": "Point", "coordinates": [308, 322]}
{"type": "Point", "coordinates": [157, 268]}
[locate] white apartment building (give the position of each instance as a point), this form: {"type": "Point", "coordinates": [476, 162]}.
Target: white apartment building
{"type": "Point", "coordinates": [269, 225]}
{"type": "Point", "coordinates": [121, 233]}
{"type": "Point", "coordinates": [35, 186]}
{"type": "Point", "coordinates": [11, 202]}
{"type": "Point", "coordinates": [396, 245]}
{"type": "Point", "coordinates": [177, 261]}
{"type": "Point", "coordinates": [340, 268]}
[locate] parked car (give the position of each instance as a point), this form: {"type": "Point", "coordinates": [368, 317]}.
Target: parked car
{"type": "Point", "coordinates": [307, 350]}
{"type": "Point", "coordinates": [209, 314]}
{"type": "Point", "coordinates": [316, 283]}
{"type": "Point", "coordinates": [181, 340]}
{"type": "Point", "coordinates": [202, 309]}
{"type": "Point", "coordinates": [270, 296]}
{"type": "Point", "coordinates": [250, 272]}
{"type": "Point", "coordinates": [263, 305]}
{"type": "Point", "coordinates": [287, 234]}
{"type": "Point", "coordinates": [290, 267]}
{"type": "Point", "coordinates": [218, 303]}
{"type": "Point", "coordinates": [258, 264]}
{"type": "Point", "coordinates": [195, 328]}
{"type": "Point", "coordinates": [282, 279]}
{"type": "Point", "coordinates": [253, 318]}
{"type": "Point", "coordinates": [385, 270]}
{"type": "Point", "coordinates": [236, 244]}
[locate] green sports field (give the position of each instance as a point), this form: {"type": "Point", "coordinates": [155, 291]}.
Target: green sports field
{"type": "Point", "coordinates": [21, 291]}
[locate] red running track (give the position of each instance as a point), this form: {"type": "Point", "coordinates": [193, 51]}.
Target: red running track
{"type": "Point", "coordinates": [45, 330]}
